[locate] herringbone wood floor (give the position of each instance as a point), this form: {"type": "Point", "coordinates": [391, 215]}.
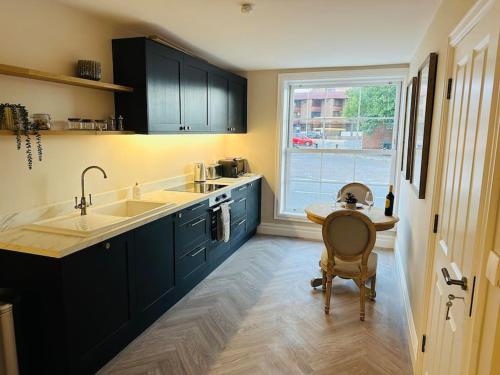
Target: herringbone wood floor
{"type": "Point", "coordinates": [257, 314]}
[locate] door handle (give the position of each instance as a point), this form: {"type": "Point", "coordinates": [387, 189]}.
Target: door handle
{"type": "Point", "coordinates": [462, 282]}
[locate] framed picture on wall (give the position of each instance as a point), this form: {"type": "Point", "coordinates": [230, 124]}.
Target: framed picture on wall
{"type": "Point", "coordinates": [408, 127]}
{"type": "Point", "coordinates": [423, 123]}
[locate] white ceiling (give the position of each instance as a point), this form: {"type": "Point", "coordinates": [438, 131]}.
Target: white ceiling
{"type": "Point", "coordinates": [280, 33]}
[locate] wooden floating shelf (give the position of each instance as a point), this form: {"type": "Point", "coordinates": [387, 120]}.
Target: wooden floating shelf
{"type": "Point", "coordinates": [69, 132]}
{"type": "Point", "coordinates": [59, 78]}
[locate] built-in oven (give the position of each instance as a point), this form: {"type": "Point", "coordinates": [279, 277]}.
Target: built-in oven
{"type": "Point", "coordinates": [214, 208]}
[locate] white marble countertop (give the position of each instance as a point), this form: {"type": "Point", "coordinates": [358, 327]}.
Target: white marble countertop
{"type": "Point", "coordinates": [24, 240]}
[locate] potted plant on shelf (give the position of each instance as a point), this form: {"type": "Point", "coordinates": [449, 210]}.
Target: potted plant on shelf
{"type": "Point", "coordinates": [350, 201]}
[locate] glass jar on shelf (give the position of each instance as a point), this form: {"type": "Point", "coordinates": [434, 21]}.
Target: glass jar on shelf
{"type": "Point", "coordinates": [74, 123]}
{"type": "Point", "coordinates": [88, 124]}
{"type": "Point", "coordinates": [101, 125]}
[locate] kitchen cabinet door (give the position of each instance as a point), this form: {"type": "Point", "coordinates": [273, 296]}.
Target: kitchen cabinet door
{"type": "Point", "coordinates": [195, 82]}
{"type": "Point", "coordinates": [253, 205]}
{"type": "Point", "coordinates": [237, 107]}
{"type": "Point", "coordinates": [97, 294]}
{"type": "Point", "coordinates": [218, 103]}
{"type": "Point", "coordinates": [164, 88]}
{"type": "Point", "coordinates": [154, 262]}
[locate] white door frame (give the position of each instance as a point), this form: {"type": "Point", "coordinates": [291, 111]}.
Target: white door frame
{"type": "Point", "coordinates": [480, 9]}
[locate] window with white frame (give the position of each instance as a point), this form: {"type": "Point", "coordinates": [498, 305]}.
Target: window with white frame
{"type": "Point", "coordinates": [336, 132]}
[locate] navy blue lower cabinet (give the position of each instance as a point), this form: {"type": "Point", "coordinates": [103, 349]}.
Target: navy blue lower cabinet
{"type": "Point", "coordinates": [253, 205]}
{"type": "Point", "coordinates": [97, 301]}
{"type": "Point", "coordinates": [74, 314]}
{"type": "Point", "coordinates": [154, 266]}
{"type": "Point", "coordinates": [192, 236]}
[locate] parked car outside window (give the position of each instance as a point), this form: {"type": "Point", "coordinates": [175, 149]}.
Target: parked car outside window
{"type": "Point", "coordinates": [304, 141]}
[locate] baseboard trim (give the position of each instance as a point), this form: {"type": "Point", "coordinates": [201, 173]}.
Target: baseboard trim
{"type": "Point", "coordinates": [412, 332]}
{"type": "Point", "coordinates": [384, 239]}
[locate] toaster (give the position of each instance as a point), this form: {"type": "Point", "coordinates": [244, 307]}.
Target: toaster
{"type": "Point", "coordinates": [233, 167]}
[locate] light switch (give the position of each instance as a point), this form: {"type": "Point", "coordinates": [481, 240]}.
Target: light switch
{"type": "Point", "coordinates": [493, 269]}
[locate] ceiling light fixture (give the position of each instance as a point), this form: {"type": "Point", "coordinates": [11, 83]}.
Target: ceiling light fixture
{"type": "Point", "coordinates": [246, 8]}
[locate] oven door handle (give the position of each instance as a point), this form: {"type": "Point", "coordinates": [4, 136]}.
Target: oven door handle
{"type": "Point", "coordinates": [218, 207]}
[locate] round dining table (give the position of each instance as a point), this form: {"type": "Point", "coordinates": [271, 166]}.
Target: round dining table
{"type": "Point", "coordinates": [317, 213]}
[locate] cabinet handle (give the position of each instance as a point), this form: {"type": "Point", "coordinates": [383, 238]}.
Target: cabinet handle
{"type": "Point", "coordinates": [242, 188]}
{"type": "Point", "coordinates": [194, 208]}
{"type": "Point", "coordinates": [182, 127]}
{"type": "Point", "coordinates": [241, 222]}
{"type": "Point", "coordinates": [242, 200]}
{"type": "Point", "coordinates": [107, 246]}
{"type": "Point", "coordinates": [197, 222]}
{"type": "Point", "coordinates": [199, 251]}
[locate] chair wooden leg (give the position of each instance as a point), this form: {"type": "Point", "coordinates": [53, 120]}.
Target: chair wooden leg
{"type": "Point", "coordinates": [328, 293]}
{"type": "Point", "coordinates": [323, 284]}
{"type": "Point", "coordinates": [362, 294]}
{"type": "Point", "coordinates": [373, 293]}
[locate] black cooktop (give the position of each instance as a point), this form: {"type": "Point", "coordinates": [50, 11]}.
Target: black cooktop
{"type": "Point", "coordinates": [197, 187]}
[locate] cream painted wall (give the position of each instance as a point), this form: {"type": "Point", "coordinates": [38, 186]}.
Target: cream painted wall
{"type": "Point", "coordinates": [489, 349]}
{"type": "Point", "coordinates": [48, 36]}
{"type": "Point", "coordinates": [415, 214]}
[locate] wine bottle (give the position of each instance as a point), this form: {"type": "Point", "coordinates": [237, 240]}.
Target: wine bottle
{"type": "Point", "coordinates": [389, 202]}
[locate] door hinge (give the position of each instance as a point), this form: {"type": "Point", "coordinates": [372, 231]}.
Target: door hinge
{"type": "Point", "coordinates": [424, 340]}
{"type": "Point", "coordinates": [450, 84]}
{"type": "Point", "coordinates": [436, 222]}
{"type": "Point", "coordinates": [472, 295]}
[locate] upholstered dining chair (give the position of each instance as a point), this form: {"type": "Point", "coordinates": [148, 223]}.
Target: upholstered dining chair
{"type": "Point", "coordinates": [349, 237]}
{"type": "Point", "coordinates": [358, 189]}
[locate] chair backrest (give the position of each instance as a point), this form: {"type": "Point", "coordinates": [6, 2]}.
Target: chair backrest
{"type": "Point", "coordinates": [358, 189]}
{"type": "Point", "coordinates": [348, 235]}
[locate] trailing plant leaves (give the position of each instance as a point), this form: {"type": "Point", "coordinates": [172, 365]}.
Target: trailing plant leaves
{"type": "Point", "coordinates": [18, 138]}
{"type": "Point", "coordinates": [23, 127]}
{"type": "Point", "coordinates": [39, 146]}
{"type": "Point", "coordinates": [29, 155]}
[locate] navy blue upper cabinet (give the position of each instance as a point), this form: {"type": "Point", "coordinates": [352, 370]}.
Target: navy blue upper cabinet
{"type": "Point", "coordinates": [219, 103]}
{"type": "Point", "coordinates": [237, 107]}
{"type": "Point", "coordinates": [196, 92]}
{"type": "Point", "coordinates": [164, 88]}
{"type": "Point", "coordinates": [175, 92]}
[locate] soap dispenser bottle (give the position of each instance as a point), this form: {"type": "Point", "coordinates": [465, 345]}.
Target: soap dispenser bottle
{"type": "Point", "coordinates": [136, 191]}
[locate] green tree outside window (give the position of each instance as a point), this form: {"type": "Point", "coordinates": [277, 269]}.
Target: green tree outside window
{"type": "Point", "coordinates": [376, 101]}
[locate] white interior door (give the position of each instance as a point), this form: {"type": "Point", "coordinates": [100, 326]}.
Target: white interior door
{"type": "Point", "coordinates": [463, 185]}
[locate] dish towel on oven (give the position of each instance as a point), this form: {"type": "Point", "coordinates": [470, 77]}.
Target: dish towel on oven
{"type": "Point", "coordinates": [224, 223]}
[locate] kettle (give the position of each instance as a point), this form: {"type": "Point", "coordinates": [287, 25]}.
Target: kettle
{"type": "Point", "coordinates": [200, 172]}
